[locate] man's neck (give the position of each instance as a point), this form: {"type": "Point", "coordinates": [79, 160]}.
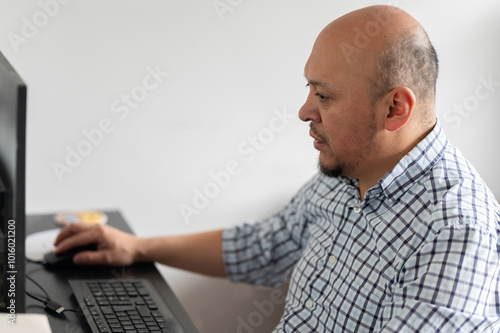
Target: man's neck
{"type": "Point", "coordinates": [383, 166]}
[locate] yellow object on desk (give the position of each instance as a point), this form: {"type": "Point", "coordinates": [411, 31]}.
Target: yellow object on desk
{"type": "Point", "coordinates": [85, 216]}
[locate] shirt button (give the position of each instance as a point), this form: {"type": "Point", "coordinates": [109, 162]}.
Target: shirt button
{"type": "Point", "coordinates": [357, 209]}
{"type": "Point", "coordinates": [332, 259]}
{"type": "Point", "coordinates": [309, 304]}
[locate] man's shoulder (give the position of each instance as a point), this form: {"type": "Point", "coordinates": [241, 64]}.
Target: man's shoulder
{"type": "Point", "coordinates": [459, 194]}
{"type": "Point", "coordinates": [454, 174]}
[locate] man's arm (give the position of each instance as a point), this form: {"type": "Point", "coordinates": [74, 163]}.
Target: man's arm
{"type": "Point", "coordinates": [201, 253]}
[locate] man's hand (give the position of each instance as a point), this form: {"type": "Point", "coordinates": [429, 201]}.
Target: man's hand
{"type": "Point", "coordinates": [200, 253]}
{"type": "Point", "coordinates": [114, 247]}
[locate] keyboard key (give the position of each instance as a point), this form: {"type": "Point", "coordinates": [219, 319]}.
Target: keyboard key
{"type": "Point", "coordinates": [99, 322]}
{"type": "Point", "coordinates": [102, 328]}
{"type": "Point", "coordinates": [119, 302]}
{"type": "Point", "coordinates": [132, 292]}
{"type": "Point", "coordinates": [156, 314]}
{"type": "Point", "coordinates": [122, 308]}
{"type": "Point", "coordinates": [107, 310]}
{"type": "Point", "coordinates": [143, 311]}
{"type": "Point", "coordinates": [142, 291]}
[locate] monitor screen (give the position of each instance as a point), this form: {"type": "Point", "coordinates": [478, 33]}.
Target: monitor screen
{"type": "Point", "coordinates": [12, 189]}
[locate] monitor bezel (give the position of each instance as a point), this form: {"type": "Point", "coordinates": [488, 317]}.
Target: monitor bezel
{"type": "Point", "coordinates": [11, 83]}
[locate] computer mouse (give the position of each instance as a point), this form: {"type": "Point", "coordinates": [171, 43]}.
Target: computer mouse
{"type": "Point", "coordinates": [66, 258]}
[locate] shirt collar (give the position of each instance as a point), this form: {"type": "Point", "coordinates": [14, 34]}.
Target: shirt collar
{"type": "Point", "coordinates": [413, 165]}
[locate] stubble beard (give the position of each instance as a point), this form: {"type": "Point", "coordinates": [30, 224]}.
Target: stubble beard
{"type": "Point", "coordinates": [331, 172]}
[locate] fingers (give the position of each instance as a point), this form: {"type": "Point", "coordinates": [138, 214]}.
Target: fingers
{"type": "Point", "coordinates": [102, 257]}
{"type": "Point", "coordinates": [70, 230]}
{"type": "Point", "coordinates": [77, 235]}
{"type": "Point", "coordinates": [91, 258]}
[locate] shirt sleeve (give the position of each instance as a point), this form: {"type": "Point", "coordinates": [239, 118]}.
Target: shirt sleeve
{"type": "Point", "coordinates": [264, 252]}
{"type": "Point", "coordinates": [451, 284]}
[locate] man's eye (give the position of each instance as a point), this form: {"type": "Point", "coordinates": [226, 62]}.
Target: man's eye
{"type": "Point", "coordinates": [321, 97]}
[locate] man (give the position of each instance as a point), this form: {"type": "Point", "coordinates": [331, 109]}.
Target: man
{"type": "Point", "coordinates": [398, 233]}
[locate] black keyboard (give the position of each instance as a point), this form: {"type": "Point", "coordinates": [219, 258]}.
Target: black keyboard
{"type": "Point", "coordinates": [123, 306]}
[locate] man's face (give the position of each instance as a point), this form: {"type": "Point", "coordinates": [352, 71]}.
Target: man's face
{"type": "Point", "coordinates": [343, 120]}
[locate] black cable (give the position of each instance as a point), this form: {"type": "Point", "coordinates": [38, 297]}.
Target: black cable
{"type": "Point", "coordinates": [34, 297]}
{"type": "Point", "coordinates": [39, 286]}
{"type": "Point", "coordinates": [49, 304]}
{"type": "Point", "coordinates": [70, 310]}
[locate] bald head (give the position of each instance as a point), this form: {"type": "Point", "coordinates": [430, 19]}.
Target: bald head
{"type": "Point", "coordinates": [376, 22]}
{"type": "Point", "coordinates": [390, 48]}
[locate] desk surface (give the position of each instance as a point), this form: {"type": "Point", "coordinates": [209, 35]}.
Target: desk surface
{"type": "Point", "coordinates": [54, 280]}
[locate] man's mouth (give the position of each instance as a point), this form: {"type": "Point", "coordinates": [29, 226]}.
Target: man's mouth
{"type": "Point", "coordinates": [319, 142]}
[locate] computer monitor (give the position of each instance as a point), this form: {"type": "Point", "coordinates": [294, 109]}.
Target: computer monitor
{"type": "Point", "coordinates": [12, 190]}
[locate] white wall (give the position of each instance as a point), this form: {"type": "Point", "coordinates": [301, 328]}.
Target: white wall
{"type": "Point", "coordinates": [227, 76]}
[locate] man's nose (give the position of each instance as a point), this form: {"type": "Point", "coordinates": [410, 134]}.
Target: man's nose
{"type": "Point", "coordinates": [309, 111]}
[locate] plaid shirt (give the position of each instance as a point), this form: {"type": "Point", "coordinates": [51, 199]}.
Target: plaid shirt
{"type": "Point", "coordinates": [419, 254]}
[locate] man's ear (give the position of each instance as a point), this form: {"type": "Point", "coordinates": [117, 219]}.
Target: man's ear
{"type": "Point", "coordinates": [401, 101]}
